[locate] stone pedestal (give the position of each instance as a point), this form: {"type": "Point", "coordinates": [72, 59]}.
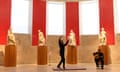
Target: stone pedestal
{"type": "Point", "coordinates": [10, 56]}
{"type": "Point", "coordinates": [106, 51]}
{"type": "Point", "coordinates": [72, 55]}
{"type": "Point", "coordinates": [42, 55]}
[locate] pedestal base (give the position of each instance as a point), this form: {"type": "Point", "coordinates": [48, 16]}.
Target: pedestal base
{"type": "Point", "coordinates": [72, 55]}
{"type": "Point", "coordinates": [10, 56]}
{"type": "Point", "coordinates": [42, 55]}
{"type": "Point", "coordinates": [106, 51]}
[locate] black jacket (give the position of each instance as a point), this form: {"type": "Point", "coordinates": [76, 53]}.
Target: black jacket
{"type": "Point", "coordinates": [62, 46]}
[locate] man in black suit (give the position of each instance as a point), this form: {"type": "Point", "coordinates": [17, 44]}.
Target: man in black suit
{"type": "Point", "coordinates": [62, 51]}
{"type": "Point", "coordinates": [99, 58]}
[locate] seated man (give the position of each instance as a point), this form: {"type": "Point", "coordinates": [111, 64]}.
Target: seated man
{"type": "Point", "coordinates": [99, 58]}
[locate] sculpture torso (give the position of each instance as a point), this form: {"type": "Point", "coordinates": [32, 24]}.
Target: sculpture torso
{"type": "Point", "coordinates": [11, 38]}
{"type": "Point", "coordinates": [102, 37]}
{"type": "Point", "coordinates": [41, 39]}
{"type": "Point", "coordinates": [72, 40]}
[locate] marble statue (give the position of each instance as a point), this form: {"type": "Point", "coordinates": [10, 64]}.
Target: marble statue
{"type": "Point", "coordinates": [102, 37]}
{"type": "Point", "coordinates": [41, 38]}
{"type": "Point", "coordinates": [11, 38]}
{"type": "Point", "coordinates": [71, 38]}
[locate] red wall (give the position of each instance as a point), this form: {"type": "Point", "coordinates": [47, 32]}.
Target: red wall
{"type": "Point", "coordinates": [72, 19]}
{"type": "Point", "coordinates": [107, 19]}
{"type": "Point", "coordinates": [5, 18]}
{"type": "Point", "coordinates": [39, 19]}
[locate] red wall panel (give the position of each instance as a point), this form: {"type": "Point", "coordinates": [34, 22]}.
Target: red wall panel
{"type": "Point", "coordinates": [39, 19]}
{"type": "Point", "coordinates": [107, 19]}
{"type": "Point", "coordinates": [5, 19]}
{"type": "Point", "coordinates": [72, 19]}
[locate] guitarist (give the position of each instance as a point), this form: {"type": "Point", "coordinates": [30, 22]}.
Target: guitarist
{"type": "Point", "coordinates": [99, 58]}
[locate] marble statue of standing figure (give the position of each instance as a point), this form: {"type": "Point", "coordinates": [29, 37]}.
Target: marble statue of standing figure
{"type": "Point", "coordinates": [11, 38]}
{"type": "Point", "coordinates": [102, 37]}
{"type": "Point", "coordinates": [71, 38]}
{"type": "Point", "coordinates": [41, 38]}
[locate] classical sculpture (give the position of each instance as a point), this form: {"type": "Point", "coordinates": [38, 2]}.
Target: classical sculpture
{"type": "Point", "coordinates": [71, 37]}
{"type": "Point", "coordinates": [41, 39]}
{"type": "Point", "coordinates": [11, 38]}
{"type": "Point", "coordinates": [102, 37]}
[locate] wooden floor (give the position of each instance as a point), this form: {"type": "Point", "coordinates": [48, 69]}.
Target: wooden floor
{"type": "Point", "coordinates": [50, 67]}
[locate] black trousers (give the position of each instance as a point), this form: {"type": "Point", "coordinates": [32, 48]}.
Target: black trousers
{"type": "Point", "coordinates": [62, 61]}
{"type": "Point", "coordinates": [101, 60]}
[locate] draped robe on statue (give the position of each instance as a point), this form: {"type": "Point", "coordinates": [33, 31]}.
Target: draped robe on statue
{"type": "Point", "coordinates": [41, 38]}
{"type": "Point", "coordinates": [11, 38]}
{"type": "Point", "coordinates": [102, 37]}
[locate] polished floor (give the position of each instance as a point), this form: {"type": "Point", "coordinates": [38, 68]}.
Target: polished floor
{"type": "Point", "coordinates": [50, 67]}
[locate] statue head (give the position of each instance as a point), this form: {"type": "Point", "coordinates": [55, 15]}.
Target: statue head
{"type": "Point", "coordinates": [10, 31]}
{"type": "Point", "coordinates": [71, 31]}
{"type": "Point", "coordinates": [102, 29]}
{"type": "Point", "coordinates": [39, 31]}
{"type": "Point", "coordinates": [72, 34]}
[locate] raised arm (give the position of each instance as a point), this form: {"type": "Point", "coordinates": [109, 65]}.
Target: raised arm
{"type": "Point", "coordinates": [66, 43]}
